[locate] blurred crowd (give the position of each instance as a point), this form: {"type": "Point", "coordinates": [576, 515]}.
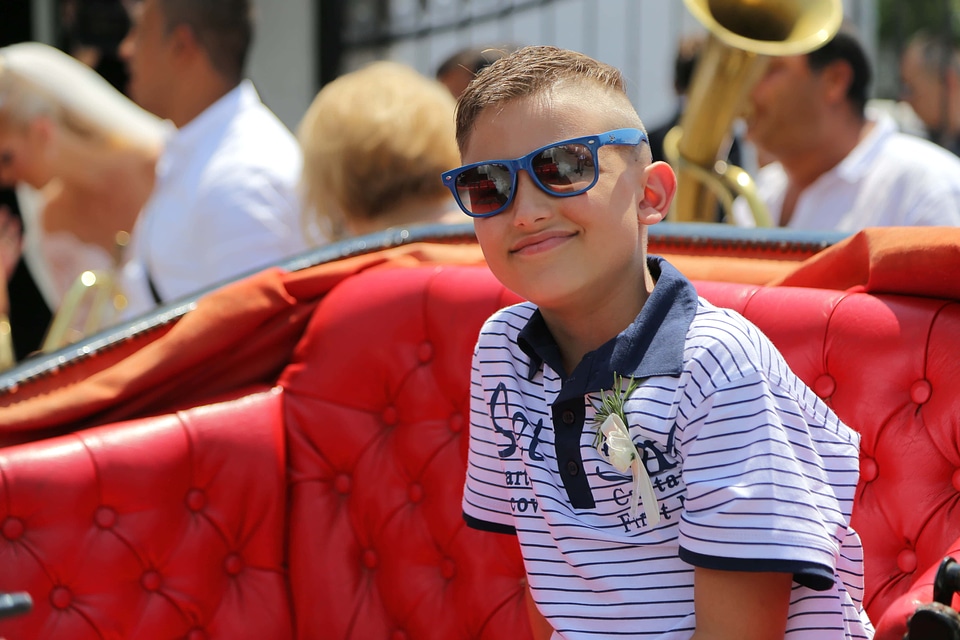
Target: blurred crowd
{"type": "Point", "coordinates": [140, 153]}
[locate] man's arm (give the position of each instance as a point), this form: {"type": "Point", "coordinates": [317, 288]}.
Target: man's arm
{"type": "Point", "coordinates": [740, 605]}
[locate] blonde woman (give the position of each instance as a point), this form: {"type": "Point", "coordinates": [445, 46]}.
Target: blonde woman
{"type": "Point", "coordinates": [375, 142]}
{"type": "Point", "coordinates": [82, 157]}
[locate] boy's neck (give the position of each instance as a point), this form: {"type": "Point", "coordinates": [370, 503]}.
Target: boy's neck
{"type": "Point", "coordinates": [587, 325]}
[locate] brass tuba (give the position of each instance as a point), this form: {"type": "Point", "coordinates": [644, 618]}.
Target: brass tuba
{"type": "Point", "coordinates": [743, 34]}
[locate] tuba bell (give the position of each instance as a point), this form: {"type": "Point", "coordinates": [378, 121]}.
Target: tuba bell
{"type": "Point", "coordinates": [743, 35]}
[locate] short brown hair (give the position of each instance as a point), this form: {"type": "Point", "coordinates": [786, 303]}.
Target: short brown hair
{"type": "Point", "coordinates": [224, 29]}
{"type": "Point", "coordinates": [531, 71]}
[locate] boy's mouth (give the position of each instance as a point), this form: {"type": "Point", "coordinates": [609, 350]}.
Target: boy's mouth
{"type": "Point", "coordinates": [538, 242]}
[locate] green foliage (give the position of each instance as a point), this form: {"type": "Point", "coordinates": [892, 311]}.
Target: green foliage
{"type": "Point", "coordinates": [899, 19]}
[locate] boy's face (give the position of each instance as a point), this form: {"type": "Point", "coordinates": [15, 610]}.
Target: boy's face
{"type": "Point", "coordinates": [558, 252]}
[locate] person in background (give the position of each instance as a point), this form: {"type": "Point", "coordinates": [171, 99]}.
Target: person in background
{"type": "Point", "coordinates": [836, 167]}
{"type": "Point", "coordinates": [684, 64]}
{"type": "Point", "coordinates": [374, 142]}
{"type": "Point", "coordinates": [225, 201]}
{"type": "Point", "coordinates": [91, 31]}
{"type": "Point", "coordinates": [457, 70]}
{"type": "Point", "coordinates": [82, 157]}
{"type": "Point", "coordinates": [930, 73]}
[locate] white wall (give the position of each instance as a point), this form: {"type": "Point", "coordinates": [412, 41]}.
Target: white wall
{"type": "Point", "coordinates": [283, 63]}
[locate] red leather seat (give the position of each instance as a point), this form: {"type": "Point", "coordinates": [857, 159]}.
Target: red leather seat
{"type": "Point", "coordinates": [168, 527]}
{"type": "Point", "coordinates": [330, 506]}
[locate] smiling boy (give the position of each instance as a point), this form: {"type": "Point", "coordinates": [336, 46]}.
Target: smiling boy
{"type": "Point", "coordinates": [714, 500]}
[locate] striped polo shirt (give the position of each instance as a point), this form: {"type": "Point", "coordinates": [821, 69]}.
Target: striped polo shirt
{"type": "Point", "coordinates": [750, 469]}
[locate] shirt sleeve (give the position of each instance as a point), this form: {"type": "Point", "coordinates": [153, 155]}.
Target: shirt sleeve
{"type": "Point", "coordinates": [486, 503]}
{"type": "Point", "coordinates": [763, 472]}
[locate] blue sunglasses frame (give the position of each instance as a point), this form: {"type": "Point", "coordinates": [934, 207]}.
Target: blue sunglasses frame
{"type": "Point", "coordinates": [630, 137]}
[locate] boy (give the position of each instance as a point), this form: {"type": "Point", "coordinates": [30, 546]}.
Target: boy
{"type": "Point", "coordinates": [708, 494]}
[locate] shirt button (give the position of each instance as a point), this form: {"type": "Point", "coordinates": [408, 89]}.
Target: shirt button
{"type": "Point", "coordinates": [568, 417]}
{"type": "Point", "coordinates": [573, 468]}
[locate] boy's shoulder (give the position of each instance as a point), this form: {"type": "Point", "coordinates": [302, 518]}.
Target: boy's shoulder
{"type": "Point", "coordinates": [508, 321]}
{"type": "Point", "coordinates": [727, 346]}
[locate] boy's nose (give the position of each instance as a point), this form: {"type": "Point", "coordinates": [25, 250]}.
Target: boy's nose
{"type": "Point", "coordinates": [530, 203]}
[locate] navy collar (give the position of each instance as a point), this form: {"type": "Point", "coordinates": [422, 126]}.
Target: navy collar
{"type": "Point", "coordinates": [652, 345]}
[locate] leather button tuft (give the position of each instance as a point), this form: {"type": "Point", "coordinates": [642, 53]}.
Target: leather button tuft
{"type": "Point", "coordinates": [196, 500]}
{"type": "Point", "coordinates": [425, 352]}
{"type": "Point", "coordinates": [389, 416]}
{"type": "Point", "coordinates": [415, 492]}
{"type": "Point", "coordinates": [448, 568]}
{"type": "Point", "coordinates": [456, 423]}
{"type": "Point", "coordinates": [342, 484]}
{"type": "Point", "coordinates": [572, 467]}
{"type": "Point", "coordinates": [12, 528]}
{"type": "Point", "coordinates": [61, 597]}
{"type": "Point", "coordinates": [824, 386]}
{"type": "Point", "coordinates": [956, 479]}
{"type": "Point", "coordinates": [907, 561]}
{"type": "Point", "coordinates": [920, 391]}
{"type": "Point", "coordinates": [568, 417]}
{"type": "Point", "coordinates": [370, 559]}
{"type": "Point", "coordinates": [105, 517]}
{"type": "Point", "coordinates": [233, 564]}
{"type": "Point", "coordinates": [150, 580]}
{"type": "Point", "coordinates": [869, 470]}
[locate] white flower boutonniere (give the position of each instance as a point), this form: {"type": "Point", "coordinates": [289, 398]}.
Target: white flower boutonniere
{"type": "Point", "coordinates": [614, 445]}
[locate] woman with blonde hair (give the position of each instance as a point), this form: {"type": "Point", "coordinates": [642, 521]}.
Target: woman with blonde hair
{"type": "Point", "coordinates": [82, 156]}
{"type": "Point", "coordinates": [375, 142]}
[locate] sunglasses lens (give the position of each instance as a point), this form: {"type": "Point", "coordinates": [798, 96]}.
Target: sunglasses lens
{"type": "Point", "coordinates": [565, 167]}
{"type": "Point", "coordinates": [485, 188]}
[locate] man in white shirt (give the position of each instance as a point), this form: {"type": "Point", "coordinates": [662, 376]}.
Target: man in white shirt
{"type": "Point", "coordinates": [225, 201]}
{"type": "Point", "coordinates": [836, 168]}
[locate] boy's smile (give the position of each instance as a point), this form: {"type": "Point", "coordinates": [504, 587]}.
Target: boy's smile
{"type": "Point", "coordinates": [539, 242]}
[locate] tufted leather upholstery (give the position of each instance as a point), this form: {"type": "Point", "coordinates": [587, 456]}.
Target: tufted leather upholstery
{"type": "Point", "coordinates": [170, 527]}
{"type": "Point", "coordinates": [362, 537]}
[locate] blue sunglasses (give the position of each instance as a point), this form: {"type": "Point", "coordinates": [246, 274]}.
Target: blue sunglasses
{"type": "Point", "coordinates": [562, 169]}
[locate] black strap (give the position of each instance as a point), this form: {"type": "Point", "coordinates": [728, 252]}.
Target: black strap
{"type": "Point", "coordinates": [153, 289]}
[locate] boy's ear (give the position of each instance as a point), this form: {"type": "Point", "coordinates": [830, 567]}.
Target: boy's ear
{"type": "Point", "coordinates": [658, 191]}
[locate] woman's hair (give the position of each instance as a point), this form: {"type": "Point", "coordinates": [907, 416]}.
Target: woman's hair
{"type": "Point", "coordinates": [39, 80]}
{"type": "Point", "coordinates": [374, 139]}
{"type": "Point", "coordinates": [535, 70]}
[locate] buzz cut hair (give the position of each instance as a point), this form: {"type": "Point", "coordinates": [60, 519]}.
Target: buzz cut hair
{"type": "Point", "coordinates": [223, 28]}
{"type": "Point", "coordinates": [535, 70]}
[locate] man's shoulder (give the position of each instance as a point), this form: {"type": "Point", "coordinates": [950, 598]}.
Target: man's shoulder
{"type": "Point", "coordinates": [256, 130]}
{"type": "Point", "coordinates": [255, 146]}
{"type": "Point", "coordinates": [915, 154]}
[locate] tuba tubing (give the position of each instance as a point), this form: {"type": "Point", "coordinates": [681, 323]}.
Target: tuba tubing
{"type": "Point", "coordinates": [743, 35]}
